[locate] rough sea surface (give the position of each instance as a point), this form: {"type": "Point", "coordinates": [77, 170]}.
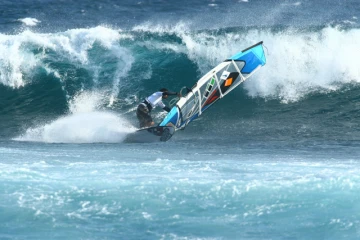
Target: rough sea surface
{"type": "Point", "coordinates": [278, 158]}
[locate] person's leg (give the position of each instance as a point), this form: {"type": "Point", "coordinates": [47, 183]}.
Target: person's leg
{"type": "Point", "coordinates": [143, 116]}
{"type": "Point", "coordinates": [140, 115]}
{"type": "Point", "coordinates": [148, 120]}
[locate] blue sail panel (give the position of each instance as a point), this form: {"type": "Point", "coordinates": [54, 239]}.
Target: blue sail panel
{"type": "Point", "coordinates": [171, 117]}
{"type": "Point", "coordinates": [252, 57]}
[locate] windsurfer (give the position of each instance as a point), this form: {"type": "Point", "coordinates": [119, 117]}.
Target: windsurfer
{"type": "Point", "coordinates": [144, 108]}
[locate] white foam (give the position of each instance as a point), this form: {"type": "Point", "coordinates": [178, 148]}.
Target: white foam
{"type": "Point", "coordinates": [29, 21]}
{"type": "Point", "coordinates": [15, 60]}
{"type": "Point", "coordinates": [88, 127]}
{"type": "Point", "coordinates": [18, 58]}
{"type": "Point", "coordinates": [180, 27]}
{"type": "Point", "coordinates": [298, 63]}
{"type": "Point", "coordinates": [87, 101]}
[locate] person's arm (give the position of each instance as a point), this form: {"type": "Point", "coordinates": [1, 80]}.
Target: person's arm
{"type": "Point", "coordinates": [163, 106]}
{"type": "Point", "coordinates": [170, 93]}
{"type": "Point", "coordinates": [166, 109]}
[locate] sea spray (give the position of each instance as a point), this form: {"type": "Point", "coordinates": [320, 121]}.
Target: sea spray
{"type": "Point", "coordinates": [88, 127]}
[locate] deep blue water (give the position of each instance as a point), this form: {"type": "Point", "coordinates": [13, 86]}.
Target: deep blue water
{"type": "Point", "coordinates": [275, 159]}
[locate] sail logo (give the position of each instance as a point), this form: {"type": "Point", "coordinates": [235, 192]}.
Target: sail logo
{"type": "Point", "coordinates": [228, 82]}
{"type": "Point", "coordinates": [225, 75]}
{"type": "Point", "coordinates": [209, 87]}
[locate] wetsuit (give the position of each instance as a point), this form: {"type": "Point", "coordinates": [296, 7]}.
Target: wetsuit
{"type": "Point", "coordinates": [144, 108]}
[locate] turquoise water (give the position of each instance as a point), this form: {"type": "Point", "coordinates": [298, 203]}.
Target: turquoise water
{"type": "Point", "coordinates": [177, 191]}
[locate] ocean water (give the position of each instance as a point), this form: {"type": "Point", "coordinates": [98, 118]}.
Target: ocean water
{"type": "Point", "coordinates": [278, 158]}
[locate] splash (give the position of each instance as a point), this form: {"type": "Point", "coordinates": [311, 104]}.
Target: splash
{"type": "Point", "coordinates": [90, 127]}
{"type": "Point", "coordinates": [303, 63]}
{"type": "Point", "coordinates": [87, 101]}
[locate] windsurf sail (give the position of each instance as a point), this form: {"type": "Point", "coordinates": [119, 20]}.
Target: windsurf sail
{"type": "Point", "coordinates": [214, 85]}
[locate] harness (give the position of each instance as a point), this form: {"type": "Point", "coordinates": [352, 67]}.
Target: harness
{"type": "Point", "coordinates": [147, 104]}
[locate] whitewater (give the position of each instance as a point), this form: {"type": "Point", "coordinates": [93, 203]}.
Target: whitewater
{"type": "Point", "coordinates": [277, 158]}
